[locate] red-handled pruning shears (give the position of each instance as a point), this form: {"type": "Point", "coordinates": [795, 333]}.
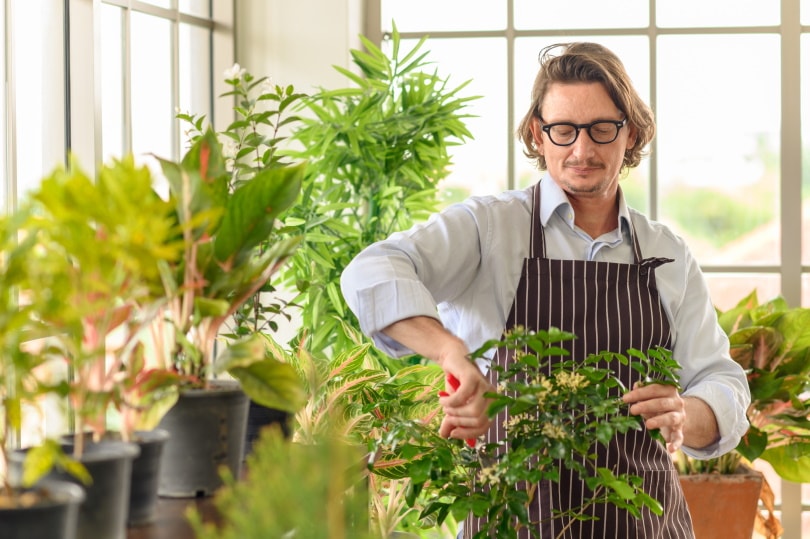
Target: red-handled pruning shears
{"type": "Point", "coordinates": [454, 383]}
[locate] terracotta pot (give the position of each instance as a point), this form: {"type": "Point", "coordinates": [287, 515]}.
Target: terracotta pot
{"type": "Point", "coordinates": [723, 505]}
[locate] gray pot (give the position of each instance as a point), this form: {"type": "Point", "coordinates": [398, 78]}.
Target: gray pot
{"type": "Point", "coordinates": [143, 489]}
{"type": "Point", "coordinates": [104, 510]}
{"type": "Point", "coordinates": [206, 431]}
{"type": "Point", "coordinates": [55, 518]}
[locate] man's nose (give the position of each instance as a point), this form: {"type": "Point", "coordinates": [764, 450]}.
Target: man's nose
{"type": "Point", "coordinates": [584, 144]}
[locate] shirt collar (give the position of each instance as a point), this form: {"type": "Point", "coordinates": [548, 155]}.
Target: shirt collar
{"type": "Point", "coordinates": [554, 200]}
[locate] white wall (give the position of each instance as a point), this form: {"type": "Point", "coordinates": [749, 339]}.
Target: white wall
{"type": "Point", "coordinates": [297, 42]}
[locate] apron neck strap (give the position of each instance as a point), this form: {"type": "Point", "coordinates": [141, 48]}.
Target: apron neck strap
{"type": "Point", "coordinates": [537, 239]}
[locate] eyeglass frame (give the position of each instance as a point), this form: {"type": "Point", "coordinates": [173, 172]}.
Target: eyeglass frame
{"type": "Point", "coordinates": [587, 127]}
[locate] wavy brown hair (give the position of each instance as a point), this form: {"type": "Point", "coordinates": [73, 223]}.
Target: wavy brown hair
{"type": "Point", "coordinates": [588, 62]}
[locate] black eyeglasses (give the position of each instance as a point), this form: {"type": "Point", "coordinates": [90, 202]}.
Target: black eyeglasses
{"type": "Point", "coordinates": [566, 133]}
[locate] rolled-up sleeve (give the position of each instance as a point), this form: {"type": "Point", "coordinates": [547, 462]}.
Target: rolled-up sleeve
{"type": "Point", "coordinates": [411, 272]}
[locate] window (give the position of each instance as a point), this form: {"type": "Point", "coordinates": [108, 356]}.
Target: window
{"type": "Point", "coordinates": [107, 84]}
{"type": "Point", "coordinates": [729, 82]}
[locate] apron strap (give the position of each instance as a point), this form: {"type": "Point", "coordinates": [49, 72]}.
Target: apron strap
{"type": "Point", "coordinates": [537, 237]}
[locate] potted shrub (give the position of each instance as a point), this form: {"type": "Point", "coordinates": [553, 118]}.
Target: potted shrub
{"type": "Point", "coordinates": [551, 428]}
{"type": "Point", "coordinates": [772, 343]}
{"type": "Point", "coordinates": [92, 279]}
{"type": "Point", "coordinates": [28, 507]}
{"type": "Point", "coordinates": [224, 229]}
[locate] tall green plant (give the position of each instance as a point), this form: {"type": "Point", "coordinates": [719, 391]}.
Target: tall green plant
{"type": "Point", "coordinates": [377, 151]}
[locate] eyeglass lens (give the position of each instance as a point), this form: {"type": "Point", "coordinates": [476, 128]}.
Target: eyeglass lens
{"type": "Point", "coordinates": [600, 132]}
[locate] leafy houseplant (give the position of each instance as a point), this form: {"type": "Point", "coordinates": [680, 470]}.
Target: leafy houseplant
{"type": "Point", "coordinates": [94, 280]}
{"type": "Point", "coordinates": [222, 226]}
{"type": "Point", "coordinates": [93, 276]}
{"type": "Point", "coordinates": [252, 144]}
{"type": "Point", "coordinates": [554, 419]}
{"type": "Point", "coordinates": [771, 341]}
{"type": "Point", "coordinates": [376, 151]}
{"type": "Point", "coordinates": [27, 508]}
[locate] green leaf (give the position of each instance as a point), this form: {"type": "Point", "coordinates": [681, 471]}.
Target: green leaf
{"type": "Point", "coordinates": [252, 210]}
{"type": "Point", "coordinates": [791, 463]}
{"type": "Point", "coordinates": [265, 379]}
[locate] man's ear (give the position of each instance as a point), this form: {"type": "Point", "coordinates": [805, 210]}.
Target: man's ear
{"type": "Point", "coordinates": [537, 133]}
{"type": "Point", "coordinates": [632, 136]}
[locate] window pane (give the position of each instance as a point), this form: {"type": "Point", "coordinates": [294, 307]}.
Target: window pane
{"type": "Point", "coordinates": [805, 90]}
{"type": "Point", "coordinates": [200, 8]}
{"type": "Point", "coordinates": [152, 111]}
{"type": "Point", "coordinates": [634, 53]}
{"type": "Point", "coordinates": [553, 14]}
{"type": "Point", "coordinates": [718, 145]}
{"type": "Point", "coordinates": [195, 72]}
{"type": "Point", "coordinates": [694, 13]}
{"type": "Point", "coordinates": [727, 289]}
{"type": "Point", "coordinates": [430, 15]}
{"type": "Point", "coordinates": [805, 9]}
{"type": "Point", "coordinates": [479, 165]}
{"type": "Point", "coordinates": [112, 87]}
{"type": "Point", "coordinates": [39, 87]}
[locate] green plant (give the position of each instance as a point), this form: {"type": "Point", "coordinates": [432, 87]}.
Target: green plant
{"type": "Point", "coordinates": [771, 341]}
{"type": "Point", "coordinates": [230, 250]}
{"type": "Point", "coordinates": [252, 143]}
{"type": "Point", "coordinates": [93, 282]}
{"type": "Point", "coordinates": [555, 421]}
{"type": "Point", "coordinates": [318, 491]}
{"type": "Point", "coordinates": [376, 152]}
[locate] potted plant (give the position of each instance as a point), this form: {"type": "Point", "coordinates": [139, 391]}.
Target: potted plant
{"type": "Point", "coordinates": [551, 426]}
{"type": "Point", "coordinates": [772, 343]}
{"type": "Point", "coordinates": [226, 259]}
{"type": "Point", "coordinates": [92, 279]}
{"type": "Point", "coordinates": [252, 143]}
{"type": "Point", "coordinates": [28, 507]}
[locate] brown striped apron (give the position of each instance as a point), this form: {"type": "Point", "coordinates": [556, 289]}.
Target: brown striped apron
{"type": "Point", "coordinates": [610, 307]}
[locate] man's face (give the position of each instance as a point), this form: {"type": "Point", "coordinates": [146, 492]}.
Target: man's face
{"type": "Point", "coordinates": [585, 168]}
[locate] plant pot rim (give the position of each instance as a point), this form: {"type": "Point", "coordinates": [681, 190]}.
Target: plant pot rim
{"type": "Point", "coordinates": [63, 492]}
{"type": "Point", "coordinates": [741, 474]}
{"type": "Point", "coordinates": [213, 386]}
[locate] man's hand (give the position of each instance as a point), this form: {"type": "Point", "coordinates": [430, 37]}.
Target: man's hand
{"type": "Point", "coordinates": [465, 408]}
{"type": "Point", "coordinates": [463, 402]}
{"type": "Point", "coordinates": [681, 420]}
{"type": "Point", "coordinates": [662, 408]}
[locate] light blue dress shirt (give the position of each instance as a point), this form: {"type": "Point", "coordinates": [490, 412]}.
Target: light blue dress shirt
{"type": "Point", "coordinates": [463, 265]}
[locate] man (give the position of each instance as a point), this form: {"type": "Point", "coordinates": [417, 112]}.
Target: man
{"type": "Point", "coordinates": [567, 253]}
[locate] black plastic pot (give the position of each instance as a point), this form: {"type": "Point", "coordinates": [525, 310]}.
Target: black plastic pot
{"type": "Point", "coordinates": [143, 490]}
{"type": "Point", "coordinates": [206, 431]}
{"type": "Point", "coordinates": [104, 510]}
{"type": "Point", "coordinates": [56, 517]}
{"type": "Point", "coordinates": [259, 417]}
